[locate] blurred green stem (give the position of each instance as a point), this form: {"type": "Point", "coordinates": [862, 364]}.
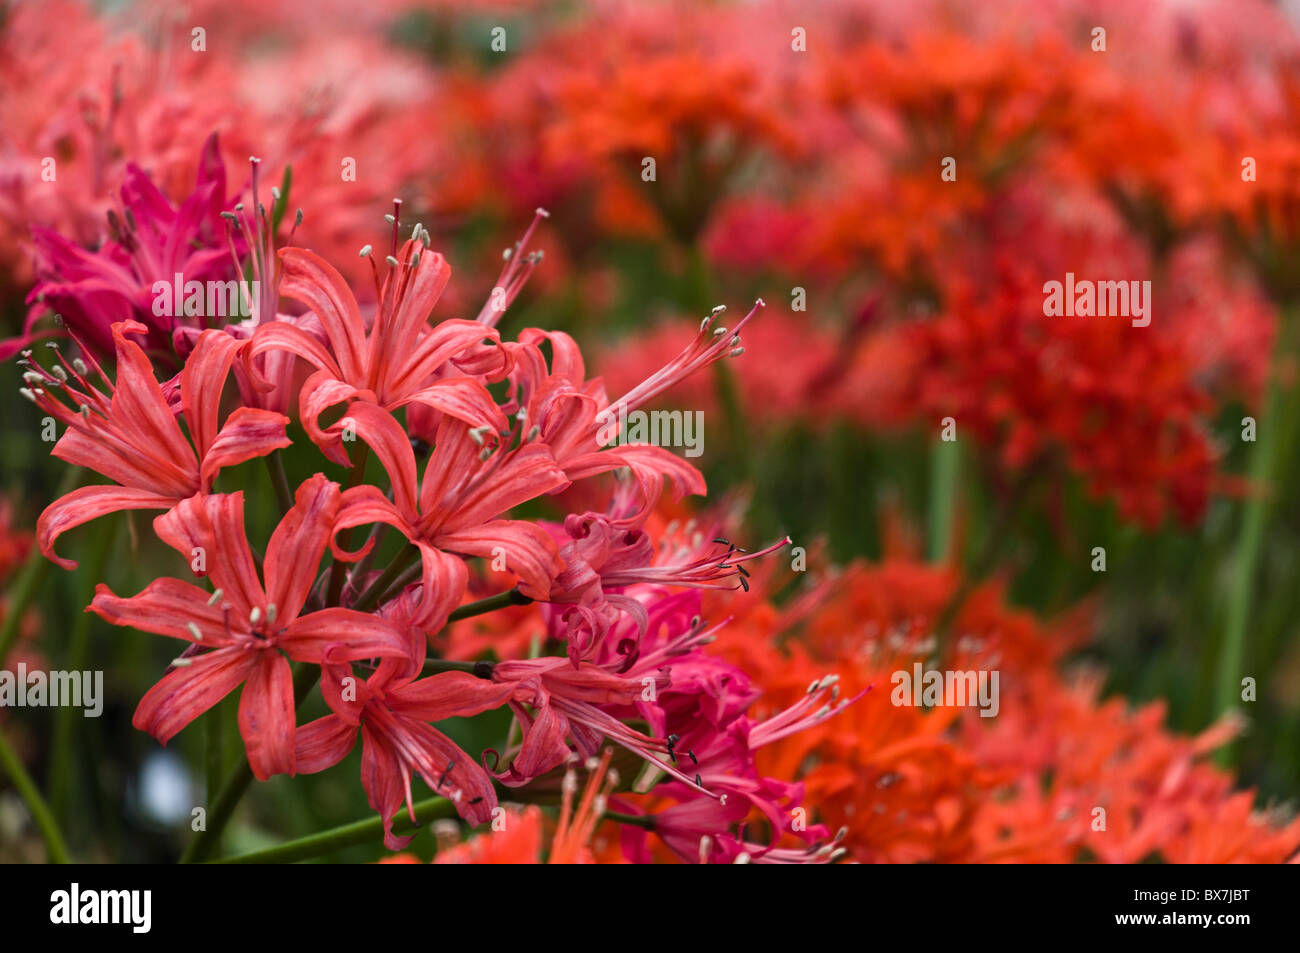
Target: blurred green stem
{"type": "Point", "coordinates": [61, 753]}
{"type": "Point", "coordinates": [349, 835]}
{"type": "Point", "coordinates": [40, 811]}
{"type": "Point", "coordinates": [1232, 649]}
{"type": "Point", "coordinates": [279, 480]}
{"type": "Point", "coordinates": [945, 459]}
{"type": "Point", "coordinates": [30, 578]}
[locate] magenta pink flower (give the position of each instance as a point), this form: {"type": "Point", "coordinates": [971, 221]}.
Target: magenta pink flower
{"type": "Point", "coordinates": [244, 634]}
{"type": "Point", "coordinates": [150, 240]}
{"type": "Point", "coordinates": [566, 705]}
{"type": "Point", "coordinates": [131, 435]}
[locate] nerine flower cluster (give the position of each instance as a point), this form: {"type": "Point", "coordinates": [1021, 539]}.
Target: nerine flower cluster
{"type": "Point", "coordinates": [461, 428]}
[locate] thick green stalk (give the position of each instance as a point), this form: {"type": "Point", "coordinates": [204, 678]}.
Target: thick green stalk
{"type": "Point", "coordinates": [945, 459]}
{"type": "Point", "coordinates": [279, 480]}
{"type": "Point", "coordinates": [30, 577]}
{"type": "Point", "coordinates": [1241, 586]}
{"type": "Point", "coordinates": [40, 811]}
{"type": "Point", "coordinates": [511, 597]}
{"type": "Point", "coordinates": [65, 716]}
{"type": "Point", "coordinates": [349, 835]}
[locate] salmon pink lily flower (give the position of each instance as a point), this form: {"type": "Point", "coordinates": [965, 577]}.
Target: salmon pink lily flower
{"type": "Point", "coordinates": [244, 633]}
{"type": "Point", "coordinates": [393, 713]}
{"type": "Point", "coordinates": [392, 363]}
{"type": "Point", "coordinates": [130, 434]}
{"type": "Point", "coordinates": [455, 507]}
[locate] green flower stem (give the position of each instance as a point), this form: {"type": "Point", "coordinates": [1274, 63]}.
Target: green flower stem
{"type": "Point", "coordinates": [66, 718]}
{"type": "Point", "coordinates": [349, 835]}
{"type": "Point", "coordinates": [279, 480]}
{"type": "Point", "coordinates": [1232, 650]}
{"type": "Point", "coordinates": [237, 782]}
{"type": "Point", "coordinates": [635, 820]}
{"type": "Point", "coordinates": [395, 572]}
{"type": "Point", "coordinates": [945, 460]}
{"type": "Point", "coordinates": [511, 597]}
{"type": "Point", "coordinates": [40, 811]}
{"type": "Point", "coordinates": [30, 577]}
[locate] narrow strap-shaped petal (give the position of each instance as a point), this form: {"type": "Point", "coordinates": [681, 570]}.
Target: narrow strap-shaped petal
{"type": "Point", "coordinates": [348, 634]}
{"type": "Point", "coordinates": [293, 555]}
{"type": "Point", "coordinates": [186, 692]}
{"type": "Point", "coordinates": [443, 579]}
{"type": "Point", "coordinates": [316, 283]}
{"type": "Point", "coordinates": [211, 529]}
{"type": "Point", "coordinates": [266, 716]}
{"type": "Point", "coordinates": [320, 392]}
{"type": "Point", "coordinates": [165, 607]}
{"type": "Point", "coordinates": [530, 552]}
{"type": "Point", "coordinates": [139, 408]}
{"type": "Point", "coordinates": [283, 336]}
{"type": "Point", "coordinates": [360, 506]}
{"type": "Point", "coordinates": [393, 337]}
{"type": "Point", "coordinates": [451, 772]}
{"type": "Point", "coordinates": [322, 743]}
{"type": "Point", "coordinates": [443, 342]}
{"type": "Point", "coordinates": [384, 782]}
{"type": "Point", "coordinates": [85, 504]}
{"type": "Point", "coordinates": [566, 356]}
{"type": "Point", "coordinates": [448, 695]}
{"type": "Point", "coordinates": [525, 474]}
{"type": "Point", "coordinates": [392, 446]}
{"type": "Point", "coordinates": [461, 397]}
{"type": "Point", "coordinates": [202, 380]}
{"type": "Point", "coordinates": [248, 432]}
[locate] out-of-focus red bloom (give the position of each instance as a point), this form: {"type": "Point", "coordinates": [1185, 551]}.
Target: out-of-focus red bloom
{"type": "Point", "coordinates": [152, 242]}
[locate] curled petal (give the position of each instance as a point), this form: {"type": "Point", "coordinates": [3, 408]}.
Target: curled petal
{"type": "Point", "coordinates": [349, 636]}
{"type": "Point", "coordinates": [248, 433]}
{"type": "Point", "coordinates": [202, 380]}
{"type": "Point", "coordinates": [85, 504]}
{"type": "Point", "coordinates": [322, 743]}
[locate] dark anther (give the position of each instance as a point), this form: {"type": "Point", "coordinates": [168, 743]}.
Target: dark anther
{"type": "Point", "coordinates": [442, 780]}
